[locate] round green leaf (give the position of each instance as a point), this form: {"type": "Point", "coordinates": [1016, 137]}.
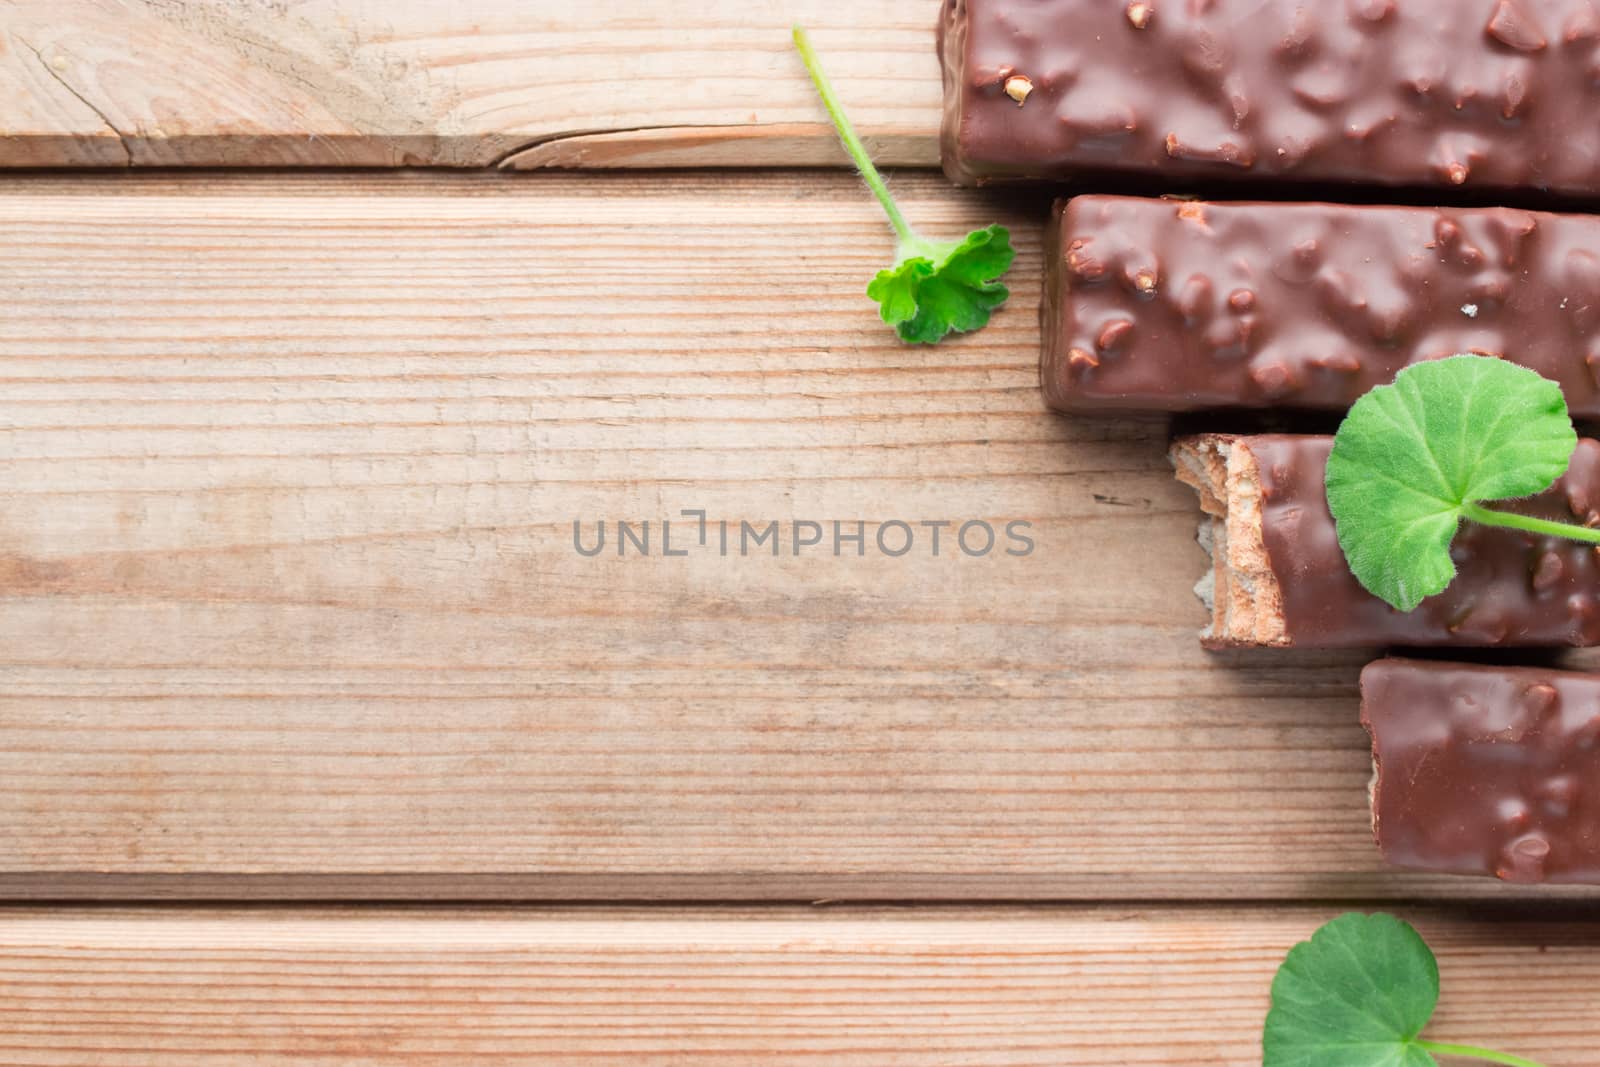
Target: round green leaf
{"type": "Point", "coordinates": [1412, 455]}
{"type": "Point", "coordinates": [1356, 995]}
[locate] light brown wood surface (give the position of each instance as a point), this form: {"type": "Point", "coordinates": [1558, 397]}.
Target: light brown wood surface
{"type": "Point", "coordinates": [93, 83]}
{"type": "Point", "coordinates": [1095, 988]}
{"type": "Point", "coordinates": [290, 610]}
{"type": "Point", "coordinates": [289, 605]}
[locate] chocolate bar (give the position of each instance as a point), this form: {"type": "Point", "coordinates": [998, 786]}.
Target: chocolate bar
{"type": "Point", "coordinates": [1279, 579]}
{"type": "Point", "coordinates": [1163, 305]}
{"type": "Point", "coordinates": [1485, 770]}
{"type": "Point", "coordinates": [1493, 94]}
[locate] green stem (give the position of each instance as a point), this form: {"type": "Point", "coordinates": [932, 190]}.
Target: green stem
{"type": "Point", "coordinates": [852, 143]}
{"type": "Point", "coordinates": [1510, 520]}
{"type": "Point", "coordinates": [1472, 1053]}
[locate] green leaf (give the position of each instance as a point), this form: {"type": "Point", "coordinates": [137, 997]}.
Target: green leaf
{"type": "Point", "coordinates": [1356, 995]}
{"type": "Point", "coordinates": [939, 288]}
{"type": "Point", "coordinates": [934, 287]}
{"type": "Point", "coordinates": [1412, 458]}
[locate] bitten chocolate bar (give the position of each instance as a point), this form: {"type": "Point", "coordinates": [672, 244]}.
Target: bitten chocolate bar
{"type": "Point", "coordinates": [1495, 94]}
{"type": "Point", "coordinates": [1485, 770]}
{"type": "Point", "coordinates": [1279, 579]}
{"type": "Point", "coordinates": [1163, 305]}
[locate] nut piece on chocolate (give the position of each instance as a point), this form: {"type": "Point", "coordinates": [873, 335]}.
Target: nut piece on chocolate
{"type": "Point", "coordinates": [1162, 305]}
{"type": "Point", "coordinates": [1485, 770]}
{"type": "Point", "coordinates": [1493, 94]}
{"type": "Point", "coordinates": [1279, 579]}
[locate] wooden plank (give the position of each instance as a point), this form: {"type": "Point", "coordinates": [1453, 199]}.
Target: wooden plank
{"type": "Point", "coordinates": [89, 83]}
{"type": "Point", "coordinates": [353, 988]}
{"type": "Point", "coordinates": [289, 604]}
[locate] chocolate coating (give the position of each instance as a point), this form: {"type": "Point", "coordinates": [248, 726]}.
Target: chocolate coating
{"type": "Point", "coordinates": [1486, 770]}
{"type": "Point", "coordinates": [1512, 588]}
{"type": "Point", "coordinates": [1163, 305]}
{"type": "Point", "coordinates": [1495, 94]}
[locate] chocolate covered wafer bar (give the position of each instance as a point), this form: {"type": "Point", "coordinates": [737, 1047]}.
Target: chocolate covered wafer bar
{"type": "Point", "coordinates": [1164, 305]}
{"type": "Point", "coordinates": [1279, 579]}
{"type": "Point", "coordinates": [1495, 94]}
{"type": "Point", "coordinates": [1485, 770]}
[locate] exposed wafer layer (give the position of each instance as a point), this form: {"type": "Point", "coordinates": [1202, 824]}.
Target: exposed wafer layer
{"type": "Point", "coordinates": [1279, 578]}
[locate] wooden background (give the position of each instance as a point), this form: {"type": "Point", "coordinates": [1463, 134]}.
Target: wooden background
{"type": "Point", "coordinates": [293, 637]}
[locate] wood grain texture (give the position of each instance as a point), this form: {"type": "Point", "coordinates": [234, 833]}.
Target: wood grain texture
{"type": "Point", "coordinates": [91, 83]}
{"type": "Point", "coordinates": [1038, 988]}
{"type": "Point", "coordinates": [289, 604]}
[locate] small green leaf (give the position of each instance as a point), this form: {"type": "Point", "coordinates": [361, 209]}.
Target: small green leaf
{"type": "Point", "coordinates": [934, 287]}
{"type": "Point", "coordinates": [953, 287]}
{"type": "Point", "coordinates": [1356, 995]}
{"type": "Point", "coordinates": [1412, 458]}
